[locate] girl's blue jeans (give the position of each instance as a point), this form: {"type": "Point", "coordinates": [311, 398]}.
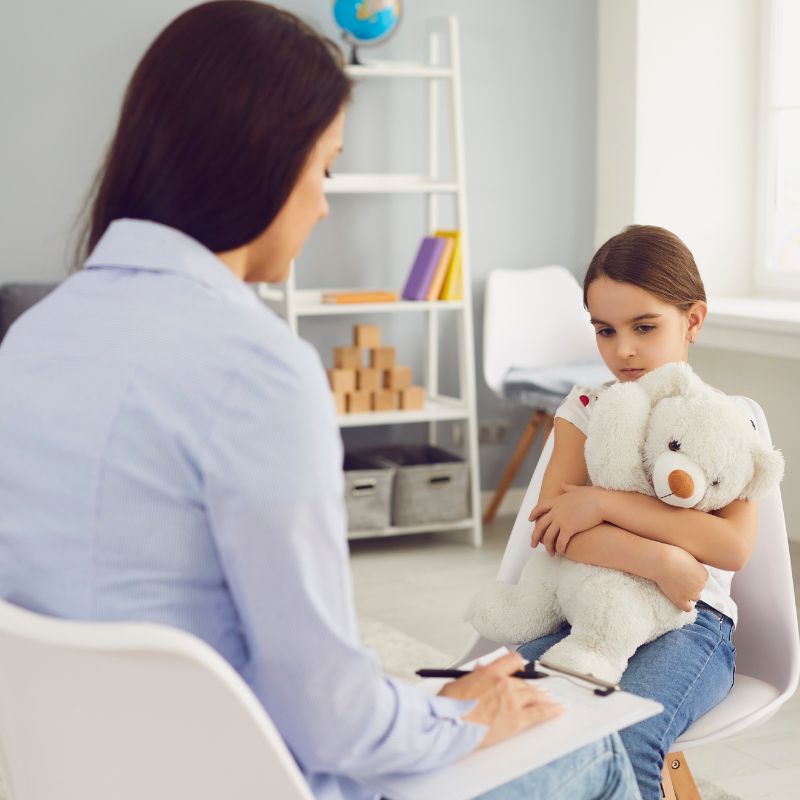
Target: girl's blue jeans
{"type": "Point", "coordinates": [599, 771]}
{"type": "Point", "coordinates": [688, 671]}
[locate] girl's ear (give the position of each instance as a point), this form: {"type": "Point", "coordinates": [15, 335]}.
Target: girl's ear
{"type": "Point", "coordinates": [668, 381]}
{"type": "Point", "coordinates": [695, 317]}
{"type": "Point", "coordinates": [767, 473]}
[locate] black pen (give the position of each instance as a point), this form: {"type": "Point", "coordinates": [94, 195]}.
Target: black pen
{"type": "Point", "coordinates": [528, 673]}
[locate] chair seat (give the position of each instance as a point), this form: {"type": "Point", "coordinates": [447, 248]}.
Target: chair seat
{"type": "Point", "coordinates": [749, 699]}
{"type": "Point", "coordinates": [546, 387]}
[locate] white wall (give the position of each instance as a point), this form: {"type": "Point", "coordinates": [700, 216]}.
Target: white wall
{"type": "Point", "coordinates": [529, 106]}
{"type": "Point", "coordinates": [676, 138]}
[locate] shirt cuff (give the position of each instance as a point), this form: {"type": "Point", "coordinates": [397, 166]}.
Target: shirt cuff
{"type": "Point", "coordinates": [447, 708]}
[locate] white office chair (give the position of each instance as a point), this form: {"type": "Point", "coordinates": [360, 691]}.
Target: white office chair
{"type": "Point", "coordinates": [537, 344]}
{"type": "Point", "coordinates": [766, 638]}
{"type": "Point", "coordinates": [94, 711]}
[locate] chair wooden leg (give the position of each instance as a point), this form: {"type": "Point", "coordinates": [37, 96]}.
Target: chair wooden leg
{"type": "Point", "coordinates": [677, 782]}
{"type": "Point", "coordinates": [521, 450]}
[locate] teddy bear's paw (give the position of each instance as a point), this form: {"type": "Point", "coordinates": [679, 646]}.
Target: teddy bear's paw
{"type": "Point", "coordinates": [511, 614]}
{"type": "Point", "coordinates": [490, 611]}
{"type": "Point", "coordinates": [581, 658]}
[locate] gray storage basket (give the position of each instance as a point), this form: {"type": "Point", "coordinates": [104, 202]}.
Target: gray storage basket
{"type": "Point", "coordinates": [430, 484]}
{"type": "Point", "coordinates": [368, 492]}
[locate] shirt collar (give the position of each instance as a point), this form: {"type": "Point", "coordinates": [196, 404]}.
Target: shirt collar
{"type": "Point", "coordinates": [143, 245]}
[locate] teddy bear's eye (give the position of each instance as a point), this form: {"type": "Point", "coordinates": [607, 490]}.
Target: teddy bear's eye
{"type": "Point", "coordinates": [674, 446]}
{"type": "Point", "coordinates": [715, 483]}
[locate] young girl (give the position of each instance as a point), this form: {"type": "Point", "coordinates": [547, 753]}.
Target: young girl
{"type": "Point", "coordinates": [647, 305]}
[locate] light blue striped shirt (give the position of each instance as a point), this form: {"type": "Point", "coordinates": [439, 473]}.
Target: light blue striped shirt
{"type": "Point", "coordinates": [171, 454]}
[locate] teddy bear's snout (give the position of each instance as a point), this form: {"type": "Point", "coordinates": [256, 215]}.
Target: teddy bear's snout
{"type": "Point", "coordinates": [678, 480]}
{"type": "Point", "coordinates": [681, 483]}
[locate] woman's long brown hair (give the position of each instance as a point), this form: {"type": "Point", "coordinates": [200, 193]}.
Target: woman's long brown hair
{"type": "Point", "coordinates": [216, 124]}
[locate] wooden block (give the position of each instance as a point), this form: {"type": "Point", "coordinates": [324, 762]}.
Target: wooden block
{"type": "Point", "coordinates": [384, 400]}
{"type": "Point", "coordinates": [340, 399]}
{"type": "Point", "coordinates": [342, 380]}
{"type": "Point", "coordinates": [358, 402]}
{"type": "Point", "coordinates": [347, 358]}
{"type": "Point", "coordinates": [366, 336]}
{"type": "Point", "coordinates": [382, 357]}
{"type": "Point", "coordinates": [398, 378]}
{"type": "Point", "coordinates": [368, 380]}
{"type": "Point", "coordinates": [412, 398]}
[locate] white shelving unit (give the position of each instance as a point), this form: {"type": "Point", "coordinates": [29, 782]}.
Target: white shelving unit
{"type": "Point", "coordinates": [296, 304]}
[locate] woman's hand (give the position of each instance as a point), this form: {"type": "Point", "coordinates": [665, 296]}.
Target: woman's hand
{"type": "Point", "coordinates": [560, 518]}
{"type": "Point", "coordinates": [680, 577]}
{"type": "Point", "coordinates": [506, 705]}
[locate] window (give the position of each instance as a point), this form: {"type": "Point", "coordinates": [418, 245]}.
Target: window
{"type": "Point", "coordinates": [778, 256]}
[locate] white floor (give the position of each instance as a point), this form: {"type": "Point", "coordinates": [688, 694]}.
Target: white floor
{"type": "Point", "coordinates": [421, 584]}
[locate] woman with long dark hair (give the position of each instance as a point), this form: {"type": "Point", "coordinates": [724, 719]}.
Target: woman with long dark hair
{"type": "Point", "coordinates": [170, 449]}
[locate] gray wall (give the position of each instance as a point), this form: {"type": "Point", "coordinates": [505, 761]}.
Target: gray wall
{"type": "Point", "coordinates": [773, 383]}
{"type": "Point", "coordinates": [529, 107]}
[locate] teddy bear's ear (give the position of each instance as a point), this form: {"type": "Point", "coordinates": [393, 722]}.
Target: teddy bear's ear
{"type": "Point", "coordinates": [767, 473]}
{"type": "Point", "coordinates": [669, 381]}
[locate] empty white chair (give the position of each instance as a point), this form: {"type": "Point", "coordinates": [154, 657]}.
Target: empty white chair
{"type": "Point", "coordinates": [766, 638]}
{"type": "Point", "coordinates": [537, 344]}
{"type": "Point", "coordinates": [94, 711]}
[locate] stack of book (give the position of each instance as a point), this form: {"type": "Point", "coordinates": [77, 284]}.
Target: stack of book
{"type": "Point", "coordinates": [436, 272]}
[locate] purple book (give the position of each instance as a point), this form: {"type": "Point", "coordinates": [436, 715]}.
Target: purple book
{"type": "Point", "coordinates": [430, 250]}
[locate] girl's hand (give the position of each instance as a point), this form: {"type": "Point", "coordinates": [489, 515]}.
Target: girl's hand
{"type": "Point", "coordinates": [560, 518]}
{"type": "Point", "coordinates": [680, 577]}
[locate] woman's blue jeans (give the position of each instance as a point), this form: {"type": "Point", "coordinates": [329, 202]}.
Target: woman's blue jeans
{"type": "Point", "coordinates": [688, 671]}
{"type": "Point", "coordinates": [599, 771]}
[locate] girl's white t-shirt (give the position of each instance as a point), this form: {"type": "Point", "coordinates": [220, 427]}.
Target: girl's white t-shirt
{"type": "Point", "coordinates": [577, 408]}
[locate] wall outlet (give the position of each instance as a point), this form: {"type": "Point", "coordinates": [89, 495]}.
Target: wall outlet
{"type": "Point", "coordinates": [492, 431]}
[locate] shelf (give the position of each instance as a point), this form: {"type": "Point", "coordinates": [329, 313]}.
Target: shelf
{"type": "Point", "coordinates": [398, 530]}
{"type": "Point", "coordinates": [375, 183]}
{"type": "Point", "coordinates": [438, 409]}
{"type": "Point", "coordinates": [308, 303]}
{"type": "Point", "coordinates": [397, 69]}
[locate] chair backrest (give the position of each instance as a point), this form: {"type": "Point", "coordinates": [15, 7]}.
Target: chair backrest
{"type": "Point", "coordinates": [533, 318]}
{"type": "Point", "coordinates": [767, 638]}
{"type": "Point", "coordinates": [92, 711]}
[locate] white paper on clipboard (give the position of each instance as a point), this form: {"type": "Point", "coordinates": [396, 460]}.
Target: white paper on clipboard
{"type": "Point", "coordinates": [587, 717]}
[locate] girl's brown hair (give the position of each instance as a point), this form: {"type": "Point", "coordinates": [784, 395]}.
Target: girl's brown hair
{"type": "Point", "coordinates": [217, 122]}
{"type": "Point", "coordinates": [652, 258]}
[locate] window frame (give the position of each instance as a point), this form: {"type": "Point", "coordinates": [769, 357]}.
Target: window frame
{"type": "Point", "coordinates": [768, 281]}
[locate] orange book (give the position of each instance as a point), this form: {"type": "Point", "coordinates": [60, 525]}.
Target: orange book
{"type": "Point", "coordinates": [435, 286]}
{"type": "Point", "coordinates": [371, 296]}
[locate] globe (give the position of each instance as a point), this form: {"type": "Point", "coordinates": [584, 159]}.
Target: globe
{"type": "Point", "coordinates": [366, 22]}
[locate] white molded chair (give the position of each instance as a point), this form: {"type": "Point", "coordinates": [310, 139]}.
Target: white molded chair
{"type": "Point", "coordinates": [537, 343]}
{"type": "Point", "coordinates": [766, 638]}
{"type": "Point", "coordinates": [94, 711]}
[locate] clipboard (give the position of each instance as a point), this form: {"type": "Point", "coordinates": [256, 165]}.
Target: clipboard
{"type": "Point", "coordinates": [588, 716]}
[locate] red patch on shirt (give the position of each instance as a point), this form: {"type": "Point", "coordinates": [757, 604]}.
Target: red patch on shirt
{"type": "Point", "coordinates": [584, 399]}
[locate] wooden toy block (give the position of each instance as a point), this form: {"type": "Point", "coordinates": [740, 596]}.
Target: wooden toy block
{"type": "Point", "coordinates": [366, 336]}
{"type": "Point", "coordinates": [398, 378]}
{"type": "Point", "coordinates": [384, 400]}
{"type": "Point", "coordinates": [340, 399]}
{"type": "Point", "coordinates": [347, 358]}
{"type": "Point", "coordinates": [368, 380]}
{"type": "Point", "coordinates": [412, 398]}
{"type": "Point", "coordinates": [358, 402]}
{"type": "Point", "coordinates": [342, 380]}
{"type": "Point", "coordinates": [382, 357]}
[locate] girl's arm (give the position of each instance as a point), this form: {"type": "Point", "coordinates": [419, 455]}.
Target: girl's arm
{"type": "Point", "coordinates": [677, 574]}
{"type": "Point", "coordinates": [723, 539]}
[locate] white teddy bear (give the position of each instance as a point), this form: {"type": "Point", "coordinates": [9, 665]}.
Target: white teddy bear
{"type": "Point", "coordinates": [667, 435]}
